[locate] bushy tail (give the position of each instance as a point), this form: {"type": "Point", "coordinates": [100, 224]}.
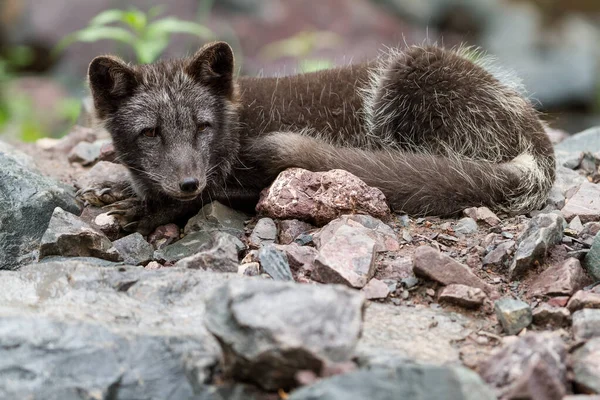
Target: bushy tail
{"type": "Point", "coordinates": [420, 184]}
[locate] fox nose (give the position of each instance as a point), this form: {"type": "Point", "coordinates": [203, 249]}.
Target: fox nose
{"type": "Point", "coordinates": [189, 185]}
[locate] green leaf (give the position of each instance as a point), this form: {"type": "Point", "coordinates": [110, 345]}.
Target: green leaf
{"type": "Point", "coordinates": [96, 33]}
{"type": "Point", "coordinates": [108, 17]}
{"type": "Point", "coordinates": [136, 19]}
{"type": "Point", "coordinates": [175, 25]}
{"type": "Point", "coordinates": [156, 11]}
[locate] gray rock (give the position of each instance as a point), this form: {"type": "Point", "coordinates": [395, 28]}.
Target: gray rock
{"type": "Point", "coordinates": [568, 180]}
{"type": "Point", "coordinates": [188, 246]}
{"type": "Point", "coordinates": [514, 315]}
{"type": "Point", "coordinates": [290, 229]}
{"type": "Point", "coordinates": [463, 296]}
{"type": "Point", "coordinates": [219, 254]}
{"type": "Point", "coordinates": [217, 217]}
{"type": "Point", "coordinates": [586, 323]}
{"type": "Point", "coordinates": [86, 153]}
{"type": "Point", "coordinates": [532, 367]}
{"type": "Point", "coordinates": [275, 263]}
{"type": "Point", "coordinates": [265, 232]}
{"type": "Point", "coordinates": [382, 233]}
{"type": "Point", "coordinates": [482, 214]}
{"type": "Point", "coordinates": [27, 201]}
{"type": "Point", "coordinates": [585, 203]}
{"type": "Point", "coordinates": [556, 198]}
{"type": "Point", "coordinates": [299, 257]}
{"type": "Point", "coordinates": [69, 236]}
{"type": "Point", "coordinates": [543, 232]}
{"type": "Point", "coordinates": [104, 174]}
{"type": "Point", "coordinates": [592, 259]}
{"type": "Point", "coordinates": [72, 328]}
{"type": "Point", "coordinates": [348, 257]}
{"type": "Point", "coordinates": [546, 315]}
{"type": "Point", "coordinates": [12, 152]}
{"type": "Point", "coordinates": [563, 278]}
{"type": "Point", "coordinates": [575, 225]}
{"type": "Point", "coordinates": [500, 257]}
{"type": "Point", "coordinates": [134, 249]}
{"type": "Point", "coordinates": [270, 330]}
{"type": "Point", "coordinates": [466, 226]}
{"type": "Point", "coordinates": [408, 381]}
{"type": "Point", "coordinates": [586, 367]}
{"type": "Point", "coordinates": [588, 140]}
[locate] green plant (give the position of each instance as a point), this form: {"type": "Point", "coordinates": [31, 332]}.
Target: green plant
{"type": "Point", "coordinates": [146, 35]}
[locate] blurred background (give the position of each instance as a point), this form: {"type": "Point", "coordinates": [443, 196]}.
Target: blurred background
{"type": "Point", "coordinates": [45, 46]}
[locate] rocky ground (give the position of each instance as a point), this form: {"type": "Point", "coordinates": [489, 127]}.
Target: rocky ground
{"type": "Point", "coordinates": [322, 295]}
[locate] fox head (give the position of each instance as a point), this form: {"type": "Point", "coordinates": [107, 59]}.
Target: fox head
{"type": "Point", "coordinates": [173, 123]}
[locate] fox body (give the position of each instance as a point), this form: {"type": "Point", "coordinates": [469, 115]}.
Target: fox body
{"type": "Point", "coordinates": [433, 129]}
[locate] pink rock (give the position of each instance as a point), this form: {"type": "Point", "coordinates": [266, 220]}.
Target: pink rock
{"type": "Point", "coordinates": [289, 229]}
{"type": "Point", "coordinates": [431, 264]}
{"type": "Point", "coordinates": [383, 235]}
{"type": "Point", "coordinates": [376, 289]}
{"type": "Point", "coordinates": [299, 257]}
{"type": "Point", "coordinates": [107, 152]}
{"type": "Point", "coordinates": [583, 299]}
{"type": "Point", "coordinates": [559, 301]}
{"type": "Point", "coordinates": [560, 279]}
{"type": "Point", "coordinates": [584, 203]}
{"type": "Point", "coordinates": [163, 236]}
{"type": "Point", "coordinates": [463, 296]}
{"type": "Point", "coordinates": [482, 214]}
{"type": "Point", "coordinates": [320, 197]}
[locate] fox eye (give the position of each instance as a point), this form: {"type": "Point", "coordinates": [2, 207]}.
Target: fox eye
{"type": "Point", "coordinates": [203, 126]}
{"type": "Point", "coordinates": [149, 132]}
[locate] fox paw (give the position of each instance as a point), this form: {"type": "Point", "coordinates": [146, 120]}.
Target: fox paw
{"type": "Point", "coordinates": [106, 193]}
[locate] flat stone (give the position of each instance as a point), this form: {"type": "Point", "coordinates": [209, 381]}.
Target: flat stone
{"type": "Point", "coordinates": [134, 249]}
{"type": "Point", "coordinates": [586, 367]}
{"type": "Point", "coordinates": [564, 278]}
{"type": "Point", "coordinates": [592, 259]}
{"type": "Point", "coordinates": [290, 229]}
{"type": "Point", "coordinates": [405, 381]}
{"type": "Point", "coordinates": [220, 254]}
{"type": "Point", "coordinates": [27, 202]}
{"type": "Point", "coordinates": [217, 217]}
{"type": "Point", "coordinates": [584, 299]}
{"type": "Point", "coordinates": [556, 198]}
{"type": "Point", "coordinates": [482, 214]}
{"type": "Point", "coordinates": [348, 257]}
{"type": "Point", "coordinates": [299, 257]}
{"type": "Point", "coordinates": [431, 264]}
{"type": "Point", "coordinates": [514, 315]}
{"type": "Point", "coordinates": [466, 226]}
{"type": "Point", "coordinates": [382, 233]}
{"type": "Point", "coordinates": [186, 247]}
{"type": "Point", "coordinates": [163, 236]}
{"type": "Point", "coordinates": [271, 330]}
{"type": "Point", "coordinates": [531, 367]}
{"type": "Point", "coordinates": [375, 290]}
{"type": "Point", "coordinates": [546, 316]}
{"type": "Point", "coordinates": [543, 232]}
{"type": "Point", "coordinates": [500, 257]}
{"type": "Point", "coordinates": [275, 263]}
{"type": "Point", "coordinates": [86, 153]}
{"type": "Point", "coordinates": [319, 197]}
{"type": "Point", "coordinates": [585, 203]}
{"type": "Point", "coordinates": [463, 296]}
{"type": "Point", "coordinates": [575, 225]}
{"type": "Point", "coordinates": [586, 323]}
{"type": "Point", "coordinates": [395, 267]}
{"type": "Point", "coordinates": [69, 236]}
{"type": "Point", "coordinates": [102, 174]}
{"type": "Point", "coordinates": [265, 232]}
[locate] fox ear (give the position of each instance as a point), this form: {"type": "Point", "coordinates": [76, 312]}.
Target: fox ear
{"type": "Point", "coordinates": [212, 66]}
{"type": "Point", "coordinates": [111, 81]}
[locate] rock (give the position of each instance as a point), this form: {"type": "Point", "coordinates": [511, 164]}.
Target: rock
{"type": "Point", "coordinates": [482, 214]}
{"type": "Point", "coordinates": [290, 229]}
{"type": "Point", "coordinates": [186, 247]}
{"type": "Point", "coordinates": [585, 204]}
{"type": "Point", "coordinates": [514, 315]}
{"type": "Point", "coordinates": [556, 198]}
{"type": "Point", "coordinates": [543, 232]}
{"type": "Point", "coordinates": [431, 264]}
{"type": "Point", "coordinates": [375, 290]}
{"type": "Point", "coordinates": [583, 299]}
{"type": "Point", "coordinates": [104, 174]}
{"type": "Point", "coordinates": [575, 225]}
{"type": "Point", "coordinates": [99, 219]}
{"type": "Point", "coordinates": [163, 236]}
{"type": "Point", "coordinates": [249, 269]}
{"type": "Point", "coordinates": [77, 135]}
{"type": "Point", "coordinates": [586, 367]}
{"type": "Point", "coordinates": [108, 152]}
{"type": "Point", "coordinates": [463, 296]}
{"type": "Point", "coordinates": [383, 234]}
{"type": "Point", "coordinates": [27, 201]}
{"type": "Point", "coordinates": [299, 257]}
{"type": "Point", "coordinates": [265, 232]}
{"type": "Point", "coordinates": [86, 153]}
{"type": "Point", "coordinates": [134, 249]}
{"type": "Point", "coordinates": [568, 180]}
{"type": "Point", "coordinates": [466, 226]}
{"type": "Point", "coordinates": [546, 316]}
{"type": "Point", "coordinates": [532, 367]}
{"type": "Point", "coordinates": [394, 267]}
{"type": "Point", "coordinates": [219, 254]}
{"type": "Point", "coordinates": [406, 381]}
{"type": "Point", "coordinates": [69, 236]}
{"type": "Point", "coordinates": [587, 140]}
{"type": "Point", "coordinates": [500, 257]}
{"type": "Point", "coordinates": [69, 327]}
{"type": "Point", "coordinates": [271, 330]}
{"type": "Point", "coordinates": [417, 333]}
{"type": "Point", "coordinates": [275, 263]}
{"type": "Point", "coordinates": [216, 216]}
{"type": "Point", "coordinates": [319, 197]}
{"type": "Point", "coordinates": [348, 257]}
{"type": "Point", "coordinates": [563, 278]}
{"type": "Point", "coordinates": [18, 156]}
{"type": "Point", "coordinates": [586, 323]}
{"type": "Point", "coordinates": [592, 259]}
